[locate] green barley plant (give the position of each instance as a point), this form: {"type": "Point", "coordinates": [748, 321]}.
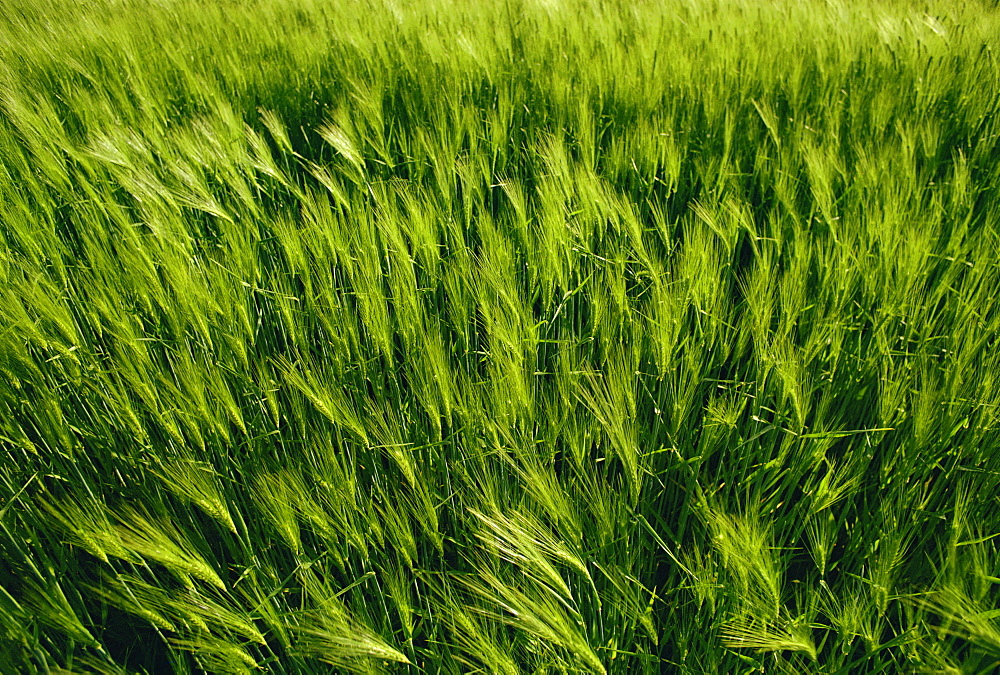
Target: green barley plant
{"type": "Point", "coordinates": [538, 336]}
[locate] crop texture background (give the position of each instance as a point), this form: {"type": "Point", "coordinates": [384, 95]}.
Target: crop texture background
{"type": "Point", "coordinates": [521, 337]}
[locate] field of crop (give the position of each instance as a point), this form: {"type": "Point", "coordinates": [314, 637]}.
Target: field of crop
{"type": "Point", "coordinates": [536, 336]}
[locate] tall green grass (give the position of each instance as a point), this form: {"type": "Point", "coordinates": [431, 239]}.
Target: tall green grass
{"type": "Point", "coordinates": [536, 336]}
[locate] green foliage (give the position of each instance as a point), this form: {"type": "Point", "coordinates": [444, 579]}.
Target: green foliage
{"type": "Point", "coordinates": [563, 336]}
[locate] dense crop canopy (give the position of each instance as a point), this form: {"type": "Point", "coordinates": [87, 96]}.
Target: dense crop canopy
{"type": "Point", "coordinates": [533, 336]}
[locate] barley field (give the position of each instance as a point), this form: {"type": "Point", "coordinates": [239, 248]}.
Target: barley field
{"type": "Point", "coordinates": [531, 336]}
